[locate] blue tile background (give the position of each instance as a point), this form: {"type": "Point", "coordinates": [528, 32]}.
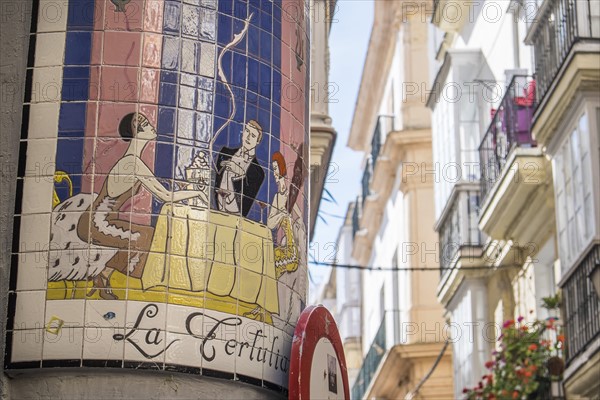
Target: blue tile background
{"type": "Point", "coordinates": [75, 93]}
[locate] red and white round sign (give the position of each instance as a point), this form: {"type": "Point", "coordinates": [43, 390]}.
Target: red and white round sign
{"type": "Point", "coordinates": [317, 365]}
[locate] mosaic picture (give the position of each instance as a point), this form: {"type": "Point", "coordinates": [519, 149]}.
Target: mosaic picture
{"type": "Point", "coordinates": [163, 220]}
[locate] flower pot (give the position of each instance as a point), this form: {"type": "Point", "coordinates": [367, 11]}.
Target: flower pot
{"type": "Point", "coordinates": [556, 366]}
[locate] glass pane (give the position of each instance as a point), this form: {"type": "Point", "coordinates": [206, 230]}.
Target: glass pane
{"type": "Point", "coordinates": [575, 149]}
{"type": "Point", "coordinates": [589, 215]}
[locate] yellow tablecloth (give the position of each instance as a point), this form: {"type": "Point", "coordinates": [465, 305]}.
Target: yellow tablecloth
{"type": "Point", "coordinates": [197, 249]}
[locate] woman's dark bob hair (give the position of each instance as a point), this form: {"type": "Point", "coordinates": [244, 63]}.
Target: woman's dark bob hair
{"type": "Point", "coordinates": [126, 127]}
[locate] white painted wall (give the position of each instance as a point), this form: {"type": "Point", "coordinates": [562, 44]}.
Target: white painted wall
{"type": "Point", "coordinates": [349, 291]}
{"type": "Point", "coordinates": [490, 44]}
{"type": "Point", "coordinates": [460, 121]}
{"type": "Point", "coordinates": [470, 341]}
{"type": "Point", "coordinates": [388, 242]}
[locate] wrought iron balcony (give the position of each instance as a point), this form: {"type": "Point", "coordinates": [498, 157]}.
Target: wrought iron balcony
{"type": "Point", "coordinates": [366, 181]}
{"type": "Point", "coordinates": [510, 127]}
{"type": "Point", "coordinates": [382, 341]}
{"type": "Point", "coordinates": [559, 24]}
{"type": "Point", "coordinates": [582, 307]}
{"type": "Point", "coordinates": [385, 124]}
{"type": "Point", "coordinates": [459, 228]}
{"type": "Point", "coordinates": [356, 217]}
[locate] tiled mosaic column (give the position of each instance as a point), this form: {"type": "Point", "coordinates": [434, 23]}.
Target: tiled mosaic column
{"type": "Point", "coordinates": [162, 204]}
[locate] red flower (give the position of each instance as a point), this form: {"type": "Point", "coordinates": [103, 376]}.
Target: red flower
{"type": "Point", "coordinates": [515, 395]}
{"type": "Point", "coordinates": [465, 390]}
{"type": "Point", "coordinates": [490, 364]}
{"type": "Point", "coordinates": [560, 338]}
{"type": "Point", "coordinates": [533, 347]}
{"type": "Point", "coordinates": [509, 323]}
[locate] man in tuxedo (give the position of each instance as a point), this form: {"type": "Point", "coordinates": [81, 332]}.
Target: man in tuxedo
{"type": "Point", "coordinates": [239, 175]}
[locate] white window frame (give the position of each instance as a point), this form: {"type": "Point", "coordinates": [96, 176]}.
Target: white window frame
{"type": "Point", "coordinates": [574, 190]}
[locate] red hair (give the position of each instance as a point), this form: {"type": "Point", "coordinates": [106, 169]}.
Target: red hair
{"type": "Point", "coordinates": [278, 158]}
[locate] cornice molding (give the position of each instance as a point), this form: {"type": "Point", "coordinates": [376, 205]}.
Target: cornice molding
{"type": "Point", "coordinates": [375, 72]}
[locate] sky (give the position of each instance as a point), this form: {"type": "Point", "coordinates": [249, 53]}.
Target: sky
{"type": "Point", "coordinates": [348, 42]}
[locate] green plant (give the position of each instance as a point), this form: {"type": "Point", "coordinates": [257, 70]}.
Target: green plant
{"type": "Point", "coordinates": [551, 302]}
{"type": "Point", "coordinates": [519, 367]}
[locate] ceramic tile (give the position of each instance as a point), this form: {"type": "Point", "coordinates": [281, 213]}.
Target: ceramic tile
{"type": "Point", "coordinates": [207, 24]}
{"type": "Point", "coordinates": [190, 16]}
{"type": "Point", "coordinates": [81, 15]}
{"type": "Point", "coordinates": [68, 344]}
{"type": "Point", "coordinates": [186, 123]}
{"type": "Point", "coordinates": [99, 344]}
{"type": "Point", "coordinates": [172, 16]}
{"type": "Point", "coordinates": [50, 49]}
{"type": "Point", "coordinates": [53, 17]}
{"type": "Point", "coordinates": [208, 59]}
{"type": "Point", "coordinates": [28, 313]}
{"type": "Point", "coordinates": [170, 52]}
{"type": "Point", "coordinates": [178, 314]}
{"type": "Point", "coordinates": [27, 345]}
{"type": "Point", "coordinates": [37, 195]}
{"type": "Point", "coordinates": [122, 48]}
{"type": "Point", "coordinates": [149, 85]}
{"type": "Point", "coordinates": [77, 48]}
{"type": "Point", "coordinates": [109, 118]}
{"type": "Point", "coordinates": [205, 102]}
{"type": "Point", "coordinates": [35, 232]}
{"type": "Point", "coordinates": [183, 350]}
{"type": "Point", "coordinates": [129, 20]}
{"type": "Point", "coordinates": [204, 127]}
{"type": "Point", "coordinates": [153, 15]}
{"type": "Point", "coordinates": [46, 84]}
{"type": "Point", "coordinates": [215, 357]}
{"type": "Point", "coordinates": [225, 29]}
{"type": "Point", "coordinates": [146, 315]}
{"type": "Point", "coordinates": [32, 271]}
{"type": "Point", "coordinates": [187, 97]}
{"type": "Point", "coordinates": [212, 4]}
{"type": "Point", "coordinates": [252, 365]}
{"type": "Point", "coordinates": [119, 84]}
{"type": "Point", "coordinates": [100, 14]}
{"type": "Point", "coordinates": [190, 54]}
{"type": "Point", "coordinates": [159, 58]}
{"type": "Point", "coordinates": [70, 311]}
{"type": "Point", "coordinates": [105, 314]}
{"type": "Point", "coordinates": [43, 120]}
{"type": "Point", "coordinates": [146, 346]}
{"type": "Point", "coordinates": [152, 50]}
{"type": "Point", "coordinates": [150, 111]}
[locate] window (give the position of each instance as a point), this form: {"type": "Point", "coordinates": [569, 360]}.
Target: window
{"type": "Point", "coordinates": [574, 193]}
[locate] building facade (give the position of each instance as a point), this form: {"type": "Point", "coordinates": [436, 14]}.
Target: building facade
{"type": "Point", "coordinates": [566, 122]}
{"type": "Point", "coordinates": [157, 194]}
{"type": "Point", "coordinates": [512, 110]}
{"type": "Point", "coordinates": [341, 292]}
{"type": "Point", "coordinates": [404, 353]}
